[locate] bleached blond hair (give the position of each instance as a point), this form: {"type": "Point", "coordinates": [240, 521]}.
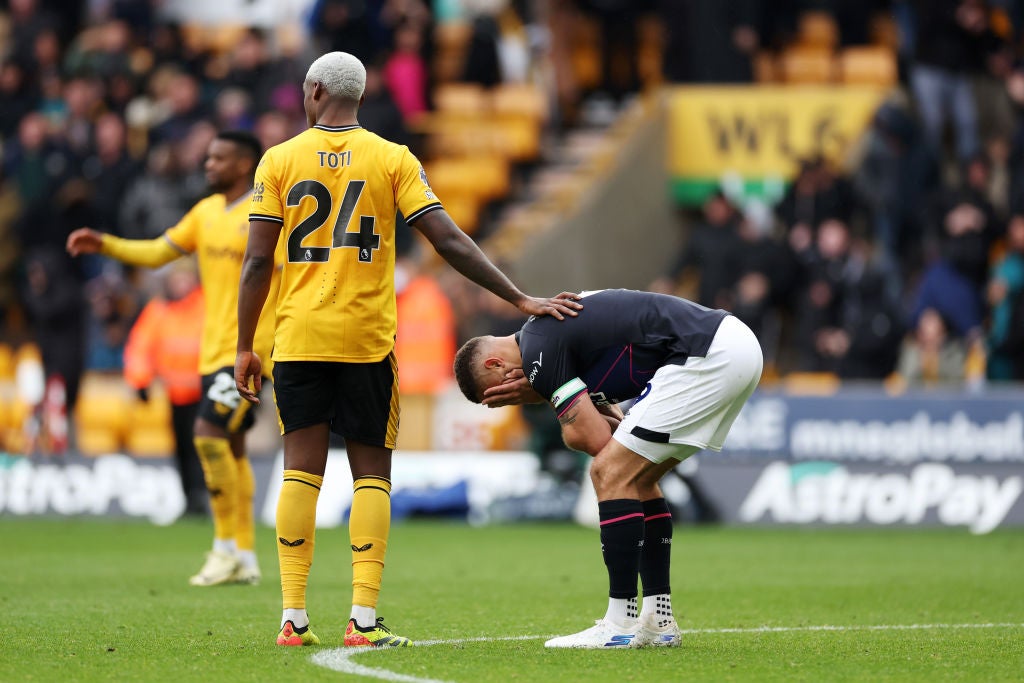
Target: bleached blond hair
{"type": "Point", "coordinates": [342, 75]}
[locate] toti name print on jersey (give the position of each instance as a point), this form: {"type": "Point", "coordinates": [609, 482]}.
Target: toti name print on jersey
{"type": "Point", "coordinates": [335, 192]}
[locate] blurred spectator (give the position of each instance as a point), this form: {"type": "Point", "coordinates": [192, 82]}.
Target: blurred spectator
{"type": "Point", "coordinates": [953, 40]}
{"type": "Point", "coordinates": [378, 113]}
{"type": "Point", "coordinates": [895, 179]}
{"type": "Point", "coordinates": [482, 63]}
{"type": "Point", "coordinates": [18, 95]}
{"type": "Point", "coordinates": [249, 70]}
{"type": "Point", "coordinates": [764, 283]}
{"type": "Point", "coordinates": [1006, 299]}
{"type": "Point", "coordinates": [819, 302]}
{"type": "Point", "coordinates": [10, 247]}
{"type": "Point", "coordinates": [233, 110]}
{"type": "Point", "coordinates": [712, 250]}
{"type": "Point", "coordinates": [405, 72]}
{"type": "Point", "coordinates": [184, 108]}
{"type": "Point", "coordinates": [948, 285]}
{"type": "Point", "coordinates": [710, 41]}
{"type": "Point", "coordinates": [344, 25]}
{"type": "Point", "coordinates": [191, 155]}
{"type": "Point", "coordinates": [111, 310]}
{"type": "Point", "coordinates": [967, 227]}
{"type": "Point", "coordinates": [36, 162]}
{"type": "Point", "coordinates": [110, 170]}
{"type": "Point", "coordinates": [273, 128]}
{"type": "Point", "coordinates": [155, 200]}
{"type": "Point", "coordinates": [164, 345]}
{"type": "Point", "coordinates": [816, 194]}
{"type": "Point", "coordinates": [55, 303]}
{"type": "Point", "coordinates": [867, 344]}
{"type": "Point", "coordinates": [930, 355]}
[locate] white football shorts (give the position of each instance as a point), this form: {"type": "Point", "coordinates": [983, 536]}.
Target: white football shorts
{"type": "Point", "coordinates": [687, 408]}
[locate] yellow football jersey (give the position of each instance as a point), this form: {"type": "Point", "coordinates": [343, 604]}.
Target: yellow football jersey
{"type": "Point", "coordinates": [218, 234]}
{"type": "Point", "coordinates": [335, 191]}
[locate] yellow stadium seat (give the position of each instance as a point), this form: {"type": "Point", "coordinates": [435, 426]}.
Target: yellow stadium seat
{"type": "Point", "coordinates": [464, 209]}
{"type": "Point", "coordinates": [463, 99]}
{"type": "Point", "coordinates": [103, 406]}
{"type": "Point", "coordinates": [807, 65]}
{"type": "Point", "coordinates": [151, 442]}
{"type": "Point", "coordinates": [818, 29]}
{"type": "Point", "coordinates": [485, 177]}
{"type": "Point", "coordinates": [811, 383]}
{"type": "Point", "coordinates": [872, 65]}
{"type": "Point", "coordinates": [520, 99]}
{"type": "Point", "coordinates": [94, 442]}
{"type": "Point", "coordinates": [417, 422]}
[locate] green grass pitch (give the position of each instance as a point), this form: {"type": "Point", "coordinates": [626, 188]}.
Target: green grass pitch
{"type": "Point", "coordinates": [96, 600]}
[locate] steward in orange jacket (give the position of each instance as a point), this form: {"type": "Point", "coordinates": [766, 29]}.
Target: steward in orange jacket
{"type": "Point", "coordinates": [164, 345]}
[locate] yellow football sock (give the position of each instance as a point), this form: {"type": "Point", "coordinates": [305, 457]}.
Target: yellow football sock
{"type": "Point", "coordinates": [245, 533]}
{"type": "Point", "coordinates": [296, 526]}
{"type": "Point", "coordinates": [221, 481]}
{"type": "Point", "coordinates": [368, 527]}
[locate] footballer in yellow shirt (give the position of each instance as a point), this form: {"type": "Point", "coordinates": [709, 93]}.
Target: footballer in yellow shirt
{"type": "Point", "coordinates": [216, 230]}
{"type": "Point", "coordinates": [330, 194]}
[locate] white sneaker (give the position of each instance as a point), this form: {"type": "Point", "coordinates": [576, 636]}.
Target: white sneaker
{"type": "Point", "coordinates": [603, 634]}
{"type": "Point", "coordinates": [219, 568]}
{"type": "Point", "coordinates": [247, 575]}
{"type": "Point", "coordinates": [658, 631]}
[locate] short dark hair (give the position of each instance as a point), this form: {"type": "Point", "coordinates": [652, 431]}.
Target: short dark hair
{"type": "Point", "coordinates": [465, 369]}
{"type": "Point", "coordinates": [248, 143]}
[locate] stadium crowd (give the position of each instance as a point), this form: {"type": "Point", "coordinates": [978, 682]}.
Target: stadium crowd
{"type": "Point", "coordinates": [912, 260]}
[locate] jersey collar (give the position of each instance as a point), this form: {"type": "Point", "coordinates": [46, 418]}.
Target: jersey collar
{"type": "Point", "coordinates": [337, 129]}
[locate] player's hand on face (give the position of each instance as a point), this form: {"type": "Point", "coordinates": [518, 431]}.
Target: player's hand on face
{"type": "Point", "coordinates": [84, 241]}
{"type": "Point", "coordinates": [515, 390]}
{"type": "Point", "coordinates": [248, 365]}
{"type": "Point", "coordinates": [566, 303]}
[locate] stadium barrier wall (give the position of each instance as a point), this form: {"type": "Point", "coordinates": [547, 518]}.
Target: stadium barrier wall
{"type": "Point", "coordinates": [857, 458]}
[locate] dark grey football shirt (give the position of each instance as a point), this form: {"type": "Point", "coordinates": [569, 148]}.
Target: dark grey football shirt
{"type": "Point", "coordinates": [618, 341]}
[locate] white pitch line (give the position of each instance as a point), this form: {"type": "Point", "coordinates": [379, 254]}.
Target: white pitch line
{"type": "Point", "coordinates": [340, 659]}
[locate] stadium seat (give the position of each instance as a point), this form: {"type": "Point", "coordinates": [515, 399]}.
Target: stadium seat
{"type": "Point", "coordinates": [486, 177]}
{"type": "Point", "coordinates": [811, 383]}
{"type": "Point", "coordinates": [417, 422]}
{"type": "Point", "coordinates": [818, 29]}
{"type": "Point", "coordinates": [150, 433]}
{"type": "Point", "coordinates": [807, 65]}
{"type": "Point", "coordinates": [520, 99]}
{"type": "Point", "coordinates": [462, 99]}
{"type": "Point", "coordinates": [102, 414]}
{"type": "Point", "coordinates": [871, 65]}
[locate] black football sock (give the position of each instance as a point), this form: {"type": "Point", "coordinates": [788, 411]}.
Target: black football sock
{"type": "Point", "coordinates": [622, 537]}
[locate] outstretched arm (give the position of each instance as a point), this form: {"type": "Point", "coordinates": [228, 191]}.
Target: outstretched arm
{"type": "Point", "coordinates": [148, 253]}
{"type": "Point", "coordinates": [257, 271]}
{"type": "Point", "coordinates": [458, 249]}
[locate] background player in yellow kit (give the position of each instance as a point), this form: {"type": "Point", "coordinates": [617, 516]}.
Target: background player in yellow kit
{"type": "Point", "coordinates": [331, 194]}
{"type": "Point", "coordinates": [216, 229]}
